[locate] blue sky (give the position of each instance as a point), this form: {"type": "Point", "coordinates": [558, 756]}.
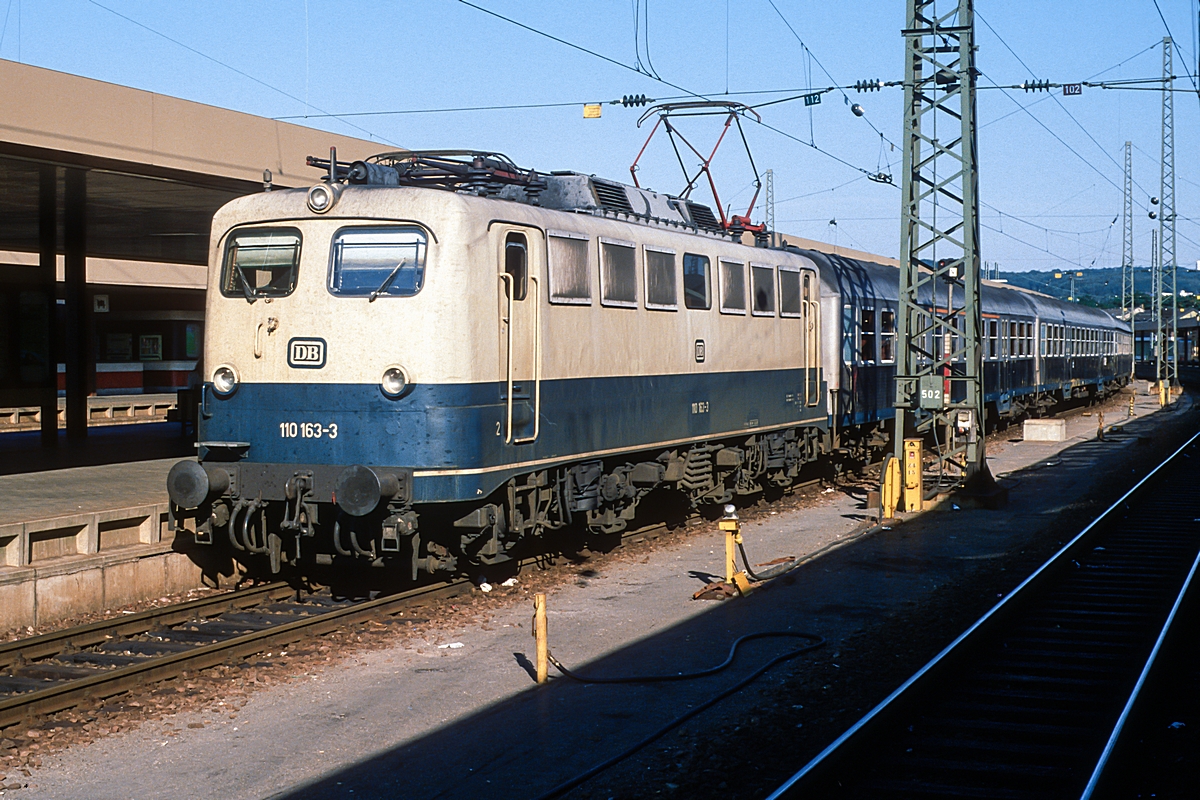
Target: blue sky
{"type": "Point", "coordinates": [1050, 204]}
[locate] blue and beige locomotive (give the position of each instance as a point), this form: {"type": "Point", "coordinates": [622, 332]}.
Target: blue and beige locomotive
{"type": "Point", "coordinates": [429, 358]}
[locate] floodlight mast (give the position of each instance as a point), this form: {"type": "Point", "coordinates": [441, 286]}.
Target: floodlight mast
{"type": "Point", "coordinates": [939, 373]}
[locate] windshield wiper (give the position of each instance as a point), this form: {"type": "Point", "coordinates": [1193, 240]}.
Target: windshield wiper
{"type": "Point", "coordinates": [251, 294]}
{"type": "Point", "coordinates": [386, 283]}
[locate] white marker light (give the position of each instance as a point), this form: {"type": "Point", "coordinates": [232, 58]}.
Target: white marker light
{"type": "Point", "coordinates": [394, 381]}
{"type": "Point", "coordinates": [224, 380]}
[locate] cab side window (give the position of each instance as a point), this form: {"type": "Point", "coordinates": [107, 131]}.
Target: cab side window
{"type": "Point", "coordinates": [516, 265]}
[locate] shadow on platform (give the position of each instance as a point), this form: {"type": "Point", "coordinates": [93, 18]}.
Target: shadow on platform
{"type": "Point", "coordinates": [22, 452]}
{"type": "Point", "coordinates": [527, 743]}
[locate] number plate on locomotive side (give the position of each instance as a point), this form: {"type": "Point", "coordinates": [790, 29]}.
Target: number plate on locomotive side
{"type": "Point", "coordinates": [307, 430]}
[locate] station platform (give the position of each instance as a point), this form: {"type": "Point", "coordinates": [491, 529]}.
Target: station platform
{"type": "Point", "coordinates": [83, 526]}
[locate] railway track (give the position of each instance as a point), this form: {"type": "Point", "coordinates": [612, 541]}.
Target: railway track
{"type": "Point", "coordinates": [1032, 700]}
{"type": "Point", "coordinates": [53, 672]}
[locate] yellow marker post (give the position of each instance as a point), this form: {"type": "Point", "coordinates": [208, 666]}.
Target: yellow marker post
{"type": "Point", "coordinates": [892, 489]}
{"type": "Point", "coordinates": [914, 479]}
{"type": "Point", "coordinates": [733, 537]}
{"type": "Point", "coordinates": [1131, 399]}
{"type": "Point", "coordinates": [1162, 393]}
{"type": "Point", "coordinates": [540, 636]}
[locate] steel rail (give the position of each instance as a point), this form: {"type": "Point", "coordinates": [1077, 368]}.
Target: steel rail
{"type": "Point", "coordinates": [1016, 595]}
{"type": "Point", "coordinates": [1102, 764]}
{"type": "Point", "coordinates": [106, 684]}
{"type": "Point", "coordinates": [47, 645]}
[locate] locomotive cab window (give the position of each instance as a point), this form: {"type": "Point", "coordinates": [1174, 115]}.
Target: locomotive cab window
{"type": "Point", "coordinates": [378, 262]}
{"type": "Point", "coordinates": [516, 265]}
{"type": "Point", "coordinates": [618, 273]}
{"type": "Point", "coordinates": [789, 292]}
{"type": "Point", "coordinates": [660, 279]}
{"type": "Point", "coordinates": [733, 287]}
{"type": "Point", "coordinates": [261, 263]}
{"type": "Point", "coordinates": [568, 264]}
{"type": "Point", "coordinates": [697, 283]}
{"type": "Point", "coordinates": [762, 288]}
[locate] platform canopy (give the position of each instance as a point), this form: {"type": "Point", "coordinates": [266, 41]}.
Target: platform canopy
{"type": "Point", "coordinates": [99, 178]}
{"type": "Point", "coordinates": [157, 166]}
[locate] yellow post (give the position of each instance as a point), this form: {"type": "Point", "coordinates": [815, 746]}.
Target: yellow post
{"type": "Point", "coordinates": [914, 485]}
{"type": "Point", "coordinates": [1131, 399]}
{"type": "Point", "coordinates": [892, 490]}
{"type": "Point", "coordinates": [539, 635]}
{"type": "Point", "coordinates": [1100, 427]}
{"type": "Point", "coordinates": [733, 537]}
{"type": "Point", "coordinates": [1162, 393]}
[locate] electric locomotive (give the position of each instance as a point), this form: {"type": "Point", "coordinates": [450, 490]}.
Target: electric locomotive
{"type": "Point", "coordinates": [431, 357]}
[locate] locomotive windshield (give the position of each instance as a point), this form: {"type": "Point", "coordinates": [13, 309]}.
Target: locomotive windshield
{"type": "Point", "coordinates": [261, 263]}
{"type": "Point", "coordinates": [376, 262]}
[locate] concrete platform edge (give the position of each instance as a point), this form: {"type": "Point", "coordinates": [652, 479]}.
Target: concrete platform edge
{"type": "Point", "coordinates": [55, 568]}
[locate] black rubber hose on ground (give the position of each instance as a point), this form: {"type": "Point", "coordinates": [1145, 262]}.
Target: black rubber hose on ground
{"type": "Point", "coordinates": [814, 641]}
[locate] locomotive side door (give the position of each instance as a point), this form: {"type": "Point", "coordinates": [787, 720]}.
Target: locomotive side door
{"type": "Point", "coordinates": [520, 257]}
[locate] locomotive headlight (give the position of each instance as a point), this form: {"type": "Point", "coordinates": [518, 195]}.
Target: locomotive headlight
{"type": "Point", "coordinates": [224, 380]}
{"type": "Point", "coordinates": [394, 381]}
{"type": "Point", "coordinates": [322, 197]}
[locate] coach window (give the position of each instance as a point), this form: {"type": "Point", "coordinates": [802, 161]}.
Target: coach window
{"type": "Point", "coordinates": [733, 287]}
{"type": "Point", "coordinates": [993, 336]}
{"type": "Point", "coordinates": [379, 262]}
{"type": "Point", "coordinates": [660, 278]}
{"type": "Point", "coordinates": [568, 266]}
{"type": "Point", "coordinates": [261, 263]}
{"type": "Point", "coordinates": [618, 273]}
{"type": "Point", "coordinates": [887, 336]}
{"type": "Point", "coordinates": [866, 335]}
{"type": "Point", "coordinates": [762, 287]}
{"type": "Point", "coordinates": [697, 285]}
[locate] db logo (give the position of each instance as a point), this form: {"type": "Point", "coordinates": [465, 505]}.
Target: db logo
{"type": "Point", "coordinates": [306, 353]}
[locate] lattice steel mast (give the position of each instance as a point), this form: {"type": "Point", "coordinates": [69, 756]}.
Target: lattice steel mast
{"type": "Point", "coordinates": [1156, 287]}
{"type": "Point", "coordinates": [939, 374]}
{"type": "Point", "coordinates": [1166, 219]}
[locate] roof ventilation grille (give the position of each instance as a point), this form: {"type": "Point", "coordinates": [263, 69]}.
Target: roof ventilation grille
{"type": "Point", "coordinates": [702, 216]}
{"type": "Point", "coordinates": [612, 196]}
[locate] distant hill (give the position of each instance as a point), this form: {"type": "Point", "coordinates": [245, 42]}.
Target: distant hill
{"type": "Point", "coordinates": [1102, 287]}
